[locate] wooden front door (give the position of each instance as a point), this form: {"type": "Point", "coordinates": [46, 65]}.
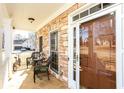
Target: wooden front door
{"type": "Point", "coordinates": [98, 53]}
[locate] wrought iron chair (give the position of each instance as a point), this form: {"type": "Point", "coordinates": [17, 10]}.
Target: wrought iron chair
{"type": "Point", "coordinates": [35, 58]}
{"type": "Point", "coordinates": [32, 60]}
{"type": "Point", "coordinates": [16, 63]}
{"type": "Point", "coordinates": [42, 68]}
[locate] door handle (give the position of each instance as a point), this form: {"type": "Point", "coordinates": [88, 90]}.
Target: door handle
{"type": "Point", "coordinates": [81, 69]}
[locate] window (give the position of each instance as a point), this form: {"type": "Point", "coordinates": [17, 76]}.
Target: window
{"type": "Point", "coordinates": [95, 8]}
{"type": "Point", "coordinates": [83, 14]}
{"type": "Point", "coordinates": [75, 17]}
{"type": "Point", "coordinates": [54, 50]}
{"type": "Point", "coordinates": [107, 5]}
{"type": "Point", "coordinates": [91, 10]}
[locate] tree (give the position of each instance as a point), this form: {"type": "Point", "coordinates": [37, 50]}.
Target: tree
{"type": "Point", "coordinates": [18, 37]}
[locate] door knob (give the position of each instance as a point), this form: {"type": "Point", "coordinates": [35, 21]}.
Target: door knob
{"type": "Point", "coordinates": [81, 69]}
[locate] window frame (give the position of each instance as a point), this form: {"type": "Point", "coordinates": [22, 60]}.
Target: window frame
{"type": "Point", "coordinates": [54, 50]}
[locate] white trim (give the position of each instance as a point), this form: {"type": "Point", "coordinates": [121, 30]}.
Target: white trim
{"type": "Point", "coordinates": [123, 23]}
{"type": "Point", "coordinates": [78, 57]}
{"type": "Point", "coordinates": [119, 50]}
{"type": "Point", "coordinates": [83, 8]}
{"type": "Point", "coordinates": [87, 7]}
{"type": "Point", "coordinates": [69, 54]}
{"type": "Point", "coordinates": [97, 14]}
{"type": "Point", "coordinates": [58, 76]}
{"type": "Point", "coordinates": [65, 78]}
{"type": "Point", "coordinates": [1, 60]}
{"type": "Point", "coordinates": [71, 82]}
{"type": "Point", "coordinates": [118, 9]}
{"type": "Point", "coordinates": [57, 13]}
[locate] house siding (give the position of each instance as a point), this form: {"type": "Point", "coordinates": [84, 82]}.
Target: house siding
{"type": "Point", "coordinates": [60, 24]}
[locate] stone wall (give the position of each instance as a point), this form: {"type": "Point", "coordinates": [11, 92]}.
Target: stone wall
{"type": "Point", "coordinates": [60, 24]}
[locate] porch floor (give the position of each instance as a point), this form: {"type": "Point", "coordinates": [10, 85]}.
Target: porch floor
{"type": "Point", "coordinates": [44, 83]}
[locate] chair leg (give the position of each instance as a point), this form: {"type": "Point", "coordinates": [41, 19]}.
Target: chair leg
{"type": "Point", "coordinates": [14, 67]}
{"type": "Point", "coordinates": [34, 76]}
{"type": "Point", "coordinates": [48, 75]}
{"type": "Point", "coordinates": [27, 65]}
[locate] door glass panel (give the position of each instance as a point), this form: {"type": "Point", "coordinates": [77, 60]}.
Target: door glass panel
{"type": "Point", "coordinates": [83, 14]}
{"type": "Point", "coordinates": [104, 43]}
{"type": "Point", "coordinates": [74, 53]}
{"type": "Point", "coordinates": [75, 17]}
{"type": "Point", "coordinates": [107, 4]}
{"type": "Point", "coordinates": [84, 44]}
{"type": "Point", "coordinates": [95, 8]}
{"type": "Point", "coordinates": [105, 51]}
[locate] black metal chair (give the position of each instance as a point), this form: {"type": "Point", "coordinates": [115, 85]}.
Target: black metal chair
{"type": "Point", "coordinates": [42, 68]}
{"type": "Point", "coordinates": [16, 63]}
{"type": "Point", "coordinates": [33, 59]}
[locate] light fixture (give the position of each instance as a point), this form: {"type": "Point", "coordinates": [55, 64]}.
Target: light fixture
{"type": "Point", "coordinates": [31, 19]}
{"type": "Point", "coordinates": [13, 27]}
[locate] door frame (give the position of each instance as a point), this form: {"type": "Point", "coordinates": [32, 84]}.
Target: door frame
{"type": "Point", "coordinates": [117, 8]}
{"type": "Point", "coordinates": [71, 82]}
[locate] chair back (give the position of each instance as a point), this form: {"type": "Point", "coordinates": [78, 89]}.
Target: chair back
{"type": "Point", "coordinates": [49, 61]}
{"type": "Point", "coordinates": [42, 55]}
{"type": "Point", "coordinates": [35, 55]}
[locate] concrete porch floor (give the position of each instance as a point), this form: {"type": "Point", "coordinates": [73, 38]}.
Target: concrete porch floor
{"type": "Point", "coordinates": [23, 79]}
{"type": "Point", "coordinates": [44, 83]}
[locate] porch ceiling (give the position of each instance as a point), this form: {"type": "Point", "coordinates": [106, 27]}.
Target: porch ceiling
{"type": "Point", "coordinates": [20, 12]}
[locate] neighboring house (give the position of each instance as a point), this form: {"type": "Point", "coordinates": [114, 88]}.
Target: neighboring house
{"type": "Point", "coordinates": [28, 43]}
{"type": "Point", "coordinates": [21, 42]}
{"type": "Point", "coordinates": [18, 44]}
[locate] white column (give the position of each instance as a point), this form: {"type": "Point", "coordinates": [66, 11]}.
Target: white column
{"type": "Point", "coordinates": [12, 40]}
{"type": "Point", "coordinates": [1, 71]}
{"type": "Point", "coordinates": [8, 50]}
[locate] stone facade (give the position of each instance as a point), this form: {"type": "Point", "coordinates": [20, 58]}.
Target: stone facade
{"type": "Point", "coordinates": [60, 24]}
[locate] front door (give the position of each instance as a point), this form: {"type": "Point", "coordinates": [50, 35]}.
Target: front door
{"type": "Point", "coordinates": [97, 53]}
